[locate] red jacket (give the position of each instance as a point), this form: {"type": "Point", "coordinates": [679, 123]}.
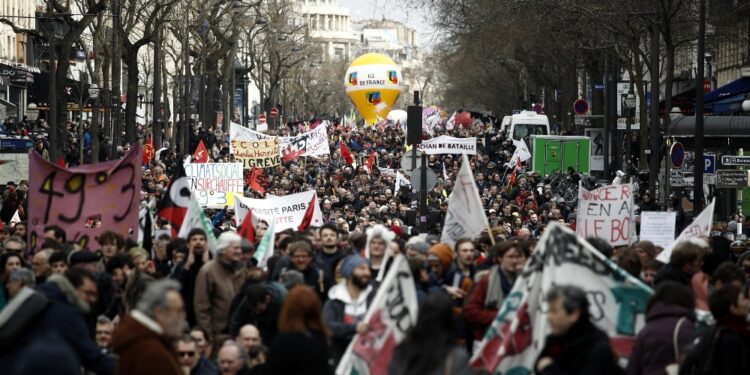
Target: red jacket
{"type": "Point", "coordinates": [479, 316]}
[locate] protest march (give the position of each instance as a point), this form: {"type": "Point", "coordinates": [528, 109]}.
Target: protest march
{"type": "Point", "coordinates": [501, 276]}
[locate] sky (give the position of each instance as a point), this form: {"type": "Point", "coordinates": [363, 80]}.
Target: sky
{"type": "Point", "coordinates": [398, 10]}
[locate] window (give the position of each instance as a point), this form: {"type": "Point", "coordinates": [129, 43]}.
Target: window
{"type": "Point", "coordinates": [338, 53]}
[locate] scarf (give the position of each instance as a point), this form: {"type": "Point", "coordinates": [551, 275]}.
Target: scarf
{"type": "Point", "coordinates": [499, 286]}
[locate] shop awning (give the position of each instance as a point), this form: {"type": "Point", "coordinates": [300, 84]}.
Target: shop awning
{"type": "Point", "coordinates": [713, 126]}
{"type": "Point", "coordinates": [736, 87]}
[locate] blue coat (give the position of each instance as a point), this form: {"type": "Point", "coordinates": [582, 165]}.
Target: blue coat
{"type": "Point", "coordinates": [65, 317]}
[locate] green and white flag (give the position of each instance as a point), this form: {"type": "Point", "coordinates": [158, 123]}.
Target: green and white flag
{"type": "Point", "coordinates": [195, 218]}
{"type": "Point", "coordinates": [265, 247]}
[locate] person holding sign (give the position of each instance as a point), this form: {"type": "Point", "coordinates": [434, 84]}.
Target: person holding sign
{"type": "Point", "coordinates": [575, 346]}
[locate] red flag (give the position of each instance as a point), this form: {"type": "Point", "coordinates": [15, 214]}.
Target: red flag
{"type": "Point", "coordinates": [61, 162]}
{"type": "Point", "coordinates": [370, 162]}
{"type": "Point", "coordinates": [148, 150]}
{"type": "Point", "coordinates": [247, 228]}
{"type": "Point", "coordinates": [255, 180]}
{"type": "Point", "coordinates": [173, 206]}
{"type": "Point", "coordinates": [345, 153]}
{"type": "Point", "coordinates": [307, 219]}
{"type": "Point", "coordinates": [201, 154]}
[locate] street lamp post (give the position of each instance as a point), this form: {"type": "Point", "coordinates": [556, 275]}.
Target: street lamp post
{"type": "Point", "coordinates": [630, 105]}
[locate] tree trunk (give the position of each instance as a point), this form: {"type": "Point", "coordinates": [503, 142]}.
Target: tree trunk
{"type": "Point", "coordinates": [132, 95]}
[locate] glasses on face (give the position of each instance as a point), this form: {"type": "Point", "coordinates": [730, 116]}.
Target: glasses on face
{"type": "Point", "coordinates": [186, 354]}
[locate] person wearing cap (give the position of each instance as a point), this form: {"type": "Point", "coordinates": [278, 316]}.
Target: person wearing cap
{"type": "Point", "coordinates": [347, 304]}
{"type": "Point", "coordinates": [217, 284]}
{"type": "Point", "coordinates": [83, 259]}
{"type": "Point", "coordinates": [440, 258]}
{"type": "Point", "coordinates": [417, 248]}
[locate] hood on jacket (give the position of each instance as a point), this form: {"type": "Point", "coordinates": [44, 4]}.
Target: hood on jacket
{"type": "Point", "coordinates": [662, 310]}
{"type": "Point", "coordinates": [58, 288]}
{"type": "Point", "coordinates": [130, 332]}
{"type": "Point", "coordinates": [340, 293]}
{"type": "Point", "coordinates": [384, 233]}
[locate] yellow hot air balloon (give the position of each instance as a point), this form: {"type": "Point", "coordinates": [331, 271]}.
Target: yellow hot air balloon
{"type": "Point", "coordinates": [373, 83]}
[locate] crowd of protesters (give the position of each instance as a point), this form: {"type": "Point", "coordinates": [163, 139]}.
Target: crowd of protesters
{"type": "Point", "coordinates": [179, 307]}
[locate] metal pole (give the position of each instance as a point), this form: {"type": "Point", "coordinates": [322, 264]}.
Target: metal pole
{"type": "Point", "coordinates": [156, 129]}
{"type": "Point", "coordinates": [52, 114]}
{"type": "Point", "coordinates": [116, 78]}
{"type": "Point", "coordinates": [654, 123]}
{"type": "Point", "coordinates": [698, 201]}
{"type": "Point", "coordinates": [606, 130]}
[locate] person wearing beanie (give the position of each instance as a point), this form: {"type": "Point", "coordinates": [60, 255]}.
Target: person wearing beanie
{"type": "Point", "coordinates": [417, 248]}
{"type": "Point", "coordinates": [217, 284]}
{"type": "Point", "coordinates": [347, 304]}
{"type": "Point", "coordinates": [440, 258]}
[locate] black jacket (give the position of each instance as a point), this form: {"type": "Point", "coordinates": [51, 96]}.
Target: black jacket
{"type": "Point", "coordinates": [672, 273]}
{"type": "Point", "coordinates": [308, 351]}
{"type": "Point", "coordinates": [583, 350]}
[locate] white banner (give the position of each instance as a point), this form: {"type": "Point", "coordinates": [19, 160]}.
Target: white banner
{"type": "Point", "coordinates": [449, 145]}
{"type": "Point", "coordinates": [607, 213]}
{"type": "Point", "coordinates": [214, 184]}
{"type": "Point", "coordinates": [518, 333]}
{"type": "Point", "coordinates": [465, 216]}
{"type": "Point", "coordinates": [286, 211]}
{"type": "Point", "coordinates": [700, 227]}
{"type": "Point", "coordinates": [392, 312]}
{"type": "Point", "coordinates": [311, 143]}
{"type": "Point", "coordinates": [658, 227]}
{"type": "Point", "coordinates": [521, 153]}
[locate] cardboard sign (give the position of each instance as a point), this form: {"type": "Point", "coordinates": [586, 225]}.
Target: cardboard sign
{"type": "Point", "coordinates": [658, 227]}
{"type": "Point", "coordinates": [262, 153]}
{"type": "Point", "coordinates": [214, 184]}
{"type": "Point", "coordinates": [86, 200]}
{"type": "Point", "coordinates": [607, 213]}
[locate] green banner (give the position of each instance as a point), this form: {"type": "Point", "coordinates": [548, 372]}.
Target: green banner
{"type": "Point", "coordinates": [552, 154]}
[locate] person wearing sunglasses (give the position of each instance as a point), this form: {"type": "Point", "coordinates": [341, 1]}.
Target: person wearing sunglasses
{"type": "Point", "coordinates": [191, 361]}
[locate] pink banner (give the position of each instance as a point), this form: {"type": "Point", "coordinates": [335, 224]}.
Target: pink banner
{"type": "Point", "coordinates": [86, 200]}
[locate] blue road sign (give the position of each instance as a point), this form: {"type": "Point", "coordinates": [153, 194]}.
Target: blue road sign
{"type": "Point", "coordinates": [709, 164]}
{"type": "Point", "coordinates": [599, 86]}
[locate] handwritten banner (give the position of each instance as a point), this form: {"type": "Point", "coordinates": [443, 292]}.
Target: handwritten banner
{"type": "Point", "coordinates": [86, 200]}
{"type": "Point", "coordinates": [311, 143]}
{"type": "Point", "coordinates": [392, 313]}
{"type": "Point", "coordinates": [607, 213]}
{"type": "Point", "coordinates": [263, 153]}
{"type": "Point", "coordinates": [287, 211]}
{"type": "Point", "coordinates": [214, 184]}
{"type": "Point", "coordinates": [449, 145]}
{"type": "Point", "coordinates": [617, 300]}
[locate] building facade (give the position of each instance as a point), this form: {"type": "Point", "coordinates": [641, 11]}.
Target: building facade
{"type": "Point", "coordinates": [329, 26]}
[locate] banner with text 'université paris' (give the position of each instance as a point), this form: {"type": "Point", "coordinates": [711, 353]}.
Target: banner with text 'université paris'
{"type": "Point", "coordinates": [86, 200]}
{"type": "Point", "coordinates": [617, 302]}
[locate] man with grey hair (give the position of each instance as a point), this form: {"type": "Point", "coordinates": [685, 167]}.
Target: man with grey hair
{"type": "Point", "coordinates": [575, 345]}
{"type": "Point", "coordinates": [144, 338]}
{"type": "Point", "coordinates": [14, 244]}
{"type": "Point", "coordinates": [40, 265]}
{"type": "Point", "coordinates": [217, 284]}
{"type": "Point", "coordinates": [19, 279]}
{"type": "Point", "coordinates": [232, 359]}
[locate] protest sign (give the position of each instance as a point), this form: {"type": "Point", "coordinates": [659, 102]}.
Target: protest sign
{"type": "Point", "coordinates": [287, 211]}
{"type": "Point", "coordinates": [86, 200]}
{"type": "Point", "coordinates": [449, 145]}
{"type": "Point", "coordinates": [607, 213]}
{"type": "Point", "coordinates": [392, 313]}
{"type": "Point", "coordinates": [700, 227]}
{"type": "Point", "coordinates": [517, 335]}
{"type": "Point", "coordinates": [311, 143]}
{"type": "Point", "coordinates": [658, 227]}
{"type": "Point", "coordinates": [214, 184]}
{"type": "Point", "coordinates": [262, 153]}
{"type": "Point", "coordinates": [465, 216]}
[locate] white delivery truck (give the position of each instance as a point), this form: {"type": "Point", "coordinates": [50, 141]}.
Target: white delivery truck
{"type": "Point", "coordinates": [527, 123]}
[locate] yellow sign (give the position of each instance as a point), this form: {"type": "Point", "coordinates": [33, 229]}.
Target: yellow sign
{"type": "Point", "coordinates": [373, 83]}
{"type": "Point", "coordinates": [261, 153]}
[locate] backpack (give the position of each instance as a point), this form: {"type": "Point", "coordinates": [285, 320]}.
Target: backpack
{"type": "Point", "coordinates": [699, 359]}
